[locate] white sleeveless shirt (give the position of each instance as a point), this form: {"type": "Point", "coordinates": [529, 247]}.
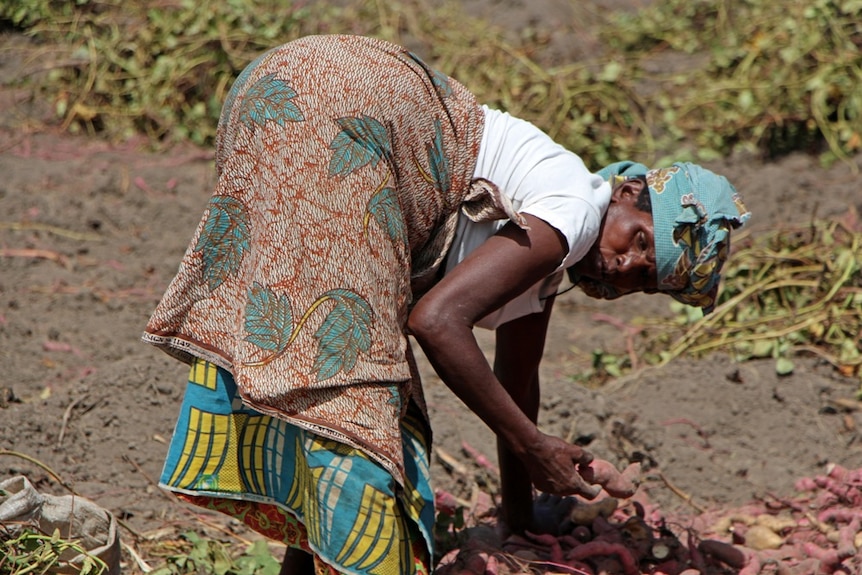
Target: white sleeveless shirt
{"type": "Point", "coordinates": [543, 179]}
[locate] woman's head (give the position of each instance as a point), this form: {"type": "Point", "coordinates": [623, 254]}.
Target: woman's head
{"type": "Point", "coordinates": [622, 260]}
{"type": "Point", "coordinates": [685, 211]}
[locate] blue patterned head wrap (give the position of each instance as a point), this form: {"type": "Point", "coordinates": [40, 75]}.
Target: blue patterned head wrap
{"type": "Point", "coordinates": [693, 213]}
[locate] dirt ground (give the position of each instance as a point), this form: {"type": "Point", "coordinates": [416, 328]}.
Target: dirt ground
{"type": "Point", "coordinates": [91, 233]}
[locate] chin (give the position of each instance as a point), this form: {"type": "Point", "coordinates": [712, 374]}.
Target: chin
{"type": "Point", "coordinates": [598, 290]}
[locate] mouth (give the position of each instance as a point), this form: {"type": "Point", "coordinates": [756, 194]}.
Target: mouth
{"type": "Point", "coordinates": [601, 266]}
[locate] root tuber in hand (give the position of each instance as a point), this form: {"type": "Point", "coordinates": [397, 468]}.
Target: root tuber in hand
{"type": "Point", "coordinates": [618, 484]}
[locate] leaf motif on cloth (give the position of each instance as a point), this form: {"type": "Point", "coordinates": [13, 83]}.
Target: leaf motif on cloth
{"type": "Point", "coordinates": [385, 209]}
{"type": "Point", "coordinates": [438, 164]}
{"type": "Point", "coordinates": [223, 239]}
{"type": "Point", "coordinates": [439, 79]}
{"type": "Point", "coordinates": [361, 141]}
{"type": "Point", "coordinates": [344, 333]}
{"type": "Point", "coordinates": [269, 100]}
{"type": "Point", "coordinates": [268, 319]}
{"type": "Point", "coordinates": [437, 160]}
{"type": "Point", "coordinates": [241, 80]}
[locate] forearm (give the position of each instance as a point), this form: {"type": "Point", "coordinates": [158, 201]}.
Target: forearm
{"type": "Point", "coordinates": [503, 267]}
{"type": "Point", "coordinates": [453, 351]}
{"type": "Point", "coordinates": [551, 462]}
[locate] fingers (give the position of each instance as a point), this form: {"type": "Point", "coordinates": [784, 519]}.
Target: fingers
{"type": "Point", "coordinates": [555, 469]}
{"type": "Point", "coordinates": [585, 489]}
{"type": "Point", "coordinates": [581, 456]}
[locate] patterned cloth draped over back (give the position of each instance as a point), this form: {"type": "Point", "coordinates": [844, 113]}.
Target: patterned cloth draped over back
{"type": "Point", "coordinates": [342, 162]}
{"type": "Point", "coordinates": [340, 159]}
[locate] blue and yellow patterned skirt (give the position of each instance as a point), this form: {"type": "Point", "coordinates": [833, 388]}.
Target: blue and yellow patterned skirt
{"type": "Point", "coordinates": [298, 488]}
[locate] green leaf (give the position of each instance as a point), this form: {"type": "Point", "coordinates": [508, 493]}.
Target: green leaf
{"type": "Point", "coordinates": [258, 560]}
{"type": "Point", "coordinates": [763, 348]}
{"type": "Point", "coordinates": [746, 99]}
{"type": "Point", "coordinates": [613, 368]}
{"type": "Point", "coordinates": [344, 333]}
{"type": "Point", "coordinates": [611, 72]}
{"type": "Point", "coordinates": [221, 561]}
{"type": "Point", "coordinates": [783, 366]}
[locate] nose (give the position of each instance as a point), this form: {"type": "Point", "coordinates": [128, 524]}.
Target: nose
{"type": "Point", "coordinates": [622, 263]}
{"type": "Point", "coordinates": [628, 264]}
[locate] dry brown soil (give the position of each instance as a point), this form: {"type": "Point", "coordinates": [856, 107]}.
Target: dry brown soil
{"type": "Point", "coordinates": [91, 233]}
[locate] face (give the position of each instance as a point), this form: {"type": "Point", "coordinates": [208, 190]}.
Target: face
{"type": "Point", "coordinates": [624, 253]}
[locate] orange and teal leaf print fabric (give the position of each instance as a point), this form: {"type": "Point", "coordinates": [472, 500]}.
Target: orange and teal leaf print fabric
{"type": "Point", "coordinates": [300, 488]}
{"type": "Point", "coordinates": [362, 141]}
{"type": "Point", "coordinates": [341, 162]}
{"type": "Point", "coordinates": [269, 100]}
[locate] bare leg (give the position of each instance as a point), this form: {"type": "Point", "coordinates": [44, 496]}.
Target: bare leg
{"type": "Point", "coordinates": [297, 562]}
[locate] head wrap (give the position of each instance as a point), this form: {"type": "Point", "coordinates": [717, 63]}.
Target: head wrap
{"type": "Point", "coordinates": [693, 211]}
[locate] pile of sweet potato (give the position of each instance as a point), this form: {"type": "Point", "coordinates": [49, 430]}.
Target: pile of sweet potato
{"type": "Point", "coordinates": [816, 531]}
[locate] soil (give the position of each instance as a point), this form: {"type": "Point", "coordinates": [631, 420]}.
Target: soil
{"type": "Point", "coordinates": [91, 233]}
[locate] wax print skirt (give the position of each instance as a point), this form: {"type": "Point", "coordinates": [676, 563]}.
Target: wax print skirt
{"type": "Point", "coordinates": [341, 165]}
{"type": "Point", "coordinates": [297, 487]}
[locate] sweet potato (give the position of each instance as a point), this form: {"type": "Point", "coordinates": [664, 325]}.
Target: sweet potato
{"type": "Point", "coordinates": [761, 537]}
{"type": "Point", "coordinates": [745, 560]}
{"type": "Point", "coordinates": [586, 513]}
{"type": "Point", "coordinates": [846, 544]}
{"type": "Point", "coordinates": [828, 558]}
{"type": "Point", "coordinates": [603, 549]}
{"type": "Point", "coordinates": [841, 473]}
{"type": "Point", "coordinates": [550, 542]}
{"type": "Point", "coordinates": [672, 567]}
{"type": "Point", "coordinates": [617, 484]}
{"type": "Point", "coordinates": [805, 567]}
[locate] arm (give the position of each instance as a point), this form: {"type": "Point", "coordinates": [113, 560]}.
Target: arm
{"type": "Point", "coordinates": [442, 322]}
{"type": "Point", "coordinates": [520, 344]}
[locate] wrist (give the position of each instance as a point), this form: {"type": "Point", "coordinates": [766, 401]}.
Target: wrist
{"type": "Point", "coordinates": [524, 441]}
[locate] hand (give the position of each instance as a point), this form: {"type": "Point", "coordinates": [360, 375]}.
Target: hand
{"type": "Point", "coordinates": [553, 467]}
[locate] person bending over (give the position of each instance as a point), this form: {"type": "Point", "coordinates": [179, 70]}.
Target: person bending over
{"type": "Point", "coordinates": [362, 197]}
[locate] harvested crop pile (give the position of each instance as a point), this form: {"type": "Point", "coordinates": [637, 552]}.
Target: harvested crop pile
{"type": "Point", "coordinates": [817, 531]}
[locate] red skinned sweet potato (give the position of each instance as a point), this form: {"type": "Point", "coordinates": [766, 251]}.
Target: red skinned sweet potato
{"type": "Point", "coordinates": [617, 484]}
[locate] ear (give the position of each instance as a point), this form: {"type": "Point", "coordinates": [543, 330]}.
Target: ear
{"type": "Point", "coordinates": [628, 189]}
